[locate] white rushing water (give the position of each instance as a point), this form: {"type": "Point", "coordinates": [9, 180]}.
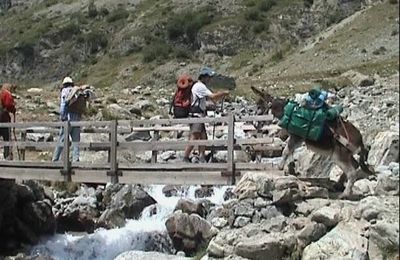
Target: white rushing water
{"type": "Point", "coordinates": [135, 235]}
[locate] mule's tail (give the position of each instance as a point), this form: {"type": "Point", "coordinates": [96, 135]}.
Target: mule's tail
{"type": "Point", "coordinates": [363, 161]}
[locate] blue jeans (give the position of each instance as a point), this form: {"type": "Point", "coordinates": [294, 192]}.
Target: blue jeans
{"type": "Point", "coordinates": [75, 136]}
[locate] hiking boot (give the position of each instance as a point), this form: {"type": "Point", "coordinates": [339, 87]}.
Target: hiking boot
{"type": "Point", "coordinates": [202, 159]}
{"type": "Point", "coordinates": [186, 160]}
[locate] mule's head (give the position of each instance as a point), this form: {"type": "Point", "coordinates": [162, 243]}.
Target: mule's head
{"type": "Point", "coordinates": [266, 103]}
{"type": "Point", "coordinates": [263, 102]}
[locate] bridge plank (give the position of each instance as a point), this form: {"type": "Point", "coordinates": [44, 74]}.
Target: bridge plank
{"type": "Point", "coordinates": [31, 174]}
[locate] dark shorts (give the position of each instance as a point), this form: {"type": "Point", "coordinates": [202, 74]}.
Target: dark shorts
{"type": "Point", "coordinates": [197, 128]}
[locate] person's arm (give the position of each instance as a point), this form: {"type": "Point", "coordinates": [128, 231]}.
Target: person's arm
{"type": "Point", "coordinates": [215, 97]}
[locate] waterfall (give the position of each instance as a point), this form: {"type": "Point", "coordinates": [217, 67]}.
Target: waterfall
{"type": "Point", "coordinates": [148, 233]}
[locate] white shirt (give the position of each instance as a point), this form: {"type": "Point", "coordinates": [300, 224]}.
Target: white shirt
{"type": "Point", "coordinates": [199, 94]}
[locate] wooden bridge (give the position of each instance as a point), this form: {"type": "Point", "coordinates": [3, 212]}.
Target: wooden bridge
{"type": "Point", "coordinates": [115, 171]}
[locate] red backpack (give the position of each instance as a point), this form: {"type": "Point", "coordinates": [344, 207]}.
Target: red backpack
{"type": "Point", "coordinates": [182, 100]}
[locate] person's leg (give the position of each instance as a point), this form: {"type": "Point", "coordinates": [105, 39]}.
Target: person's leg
{"type": "Point", "coordinates": [6, 137]}
{"type": "Point", "coordinates": [60, 145]}
{"type": "Point", "coordinates": [202, 149]}
{"type": "Point", "coordinates": [76, 137]}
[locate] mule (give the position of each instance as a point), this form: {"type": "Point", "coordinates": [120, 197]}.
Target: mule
{"type": "Point", "coordinates": [340, 141]}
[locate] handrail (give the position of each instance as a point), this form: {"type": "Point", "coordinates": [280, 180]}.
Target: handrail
{"type": "Point", "coordinates": [113, 169]}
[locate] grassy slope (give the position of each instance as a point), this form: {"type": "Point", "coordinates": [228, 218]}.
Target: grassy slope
{"type": "Point", "coordinates": [339, 52]}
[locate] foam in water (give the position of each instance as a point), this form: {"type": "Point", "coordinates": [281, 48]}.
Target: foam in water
{"type": "Point", "coordinates": [148, 233]}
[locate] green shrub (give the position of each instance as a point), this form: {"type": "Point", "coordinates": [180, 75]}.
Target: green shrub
{"type": "Point", "coordinates": [181, 53]}
{"type": "Point", "coordinates": [393, 2]}
{"type": "Point", "coordinates": [308, 3]}
{"type": "Point", "coordinates": [156, 50]}
{"type": "Point", "coordinates": [117, 14]}
{"type": "Point", "coordinates": [104, 11]}
{"type": "Point", "coordinates": [252, 15]}
{"type": "Point", "coordinates": [92, 9]}
{"type": "Point", "coordinates": [69, 30]}
{"type": "Point", "coordinates": [266, 5]}
{"type": "Point", "coordinates": [95, 41]}
{"type": "Point", "coordinates": [277, 56]}
{"type": "Point", "coordinates": [186, 25]}
{"type": "Point", "coordinates": [259, 27]}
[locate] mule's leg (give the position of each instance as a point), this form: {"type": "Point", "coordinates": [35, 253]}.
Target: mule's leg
{"type": "Point", "coordinates": [344, 159]}
{"type": "Point", "coordinates": [291, 145]}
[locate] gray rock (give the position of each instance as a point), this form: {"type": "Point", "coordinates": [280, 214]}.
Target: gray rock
{"type": "Point", "coordinates": [189, 232]}
{"type": "Point", "coordinates": [285, 196]}
{"type": "Point", "coordinates": [241, 221]}
{"type": "Point", "coordinates": [384, 149]}
{"type": "Point", "coordinates": [387, 184]}
{"type": "Point", "coordinates": [345, 241]}
{"type": "Point", "coordinates": [244, 209]}
{"type": "Point", "coordinates": [260, 203]}
{"type": "Point", "coordinates": [219, 222]}
{"type": "Point", "coordinates": [190, 206]}
{"type": "Point", "coordinates": [327, 215]}
{"type": "Point", "coordinates": [386, 236]}
{"type": "Point", "coordinates": [268, 247]}
{"type": "Point", "coordinates": [270, 212]}
{"type": "Point", "coordinates": [140, 135]}
{"type": "Point", "coordinates": [312, 232]}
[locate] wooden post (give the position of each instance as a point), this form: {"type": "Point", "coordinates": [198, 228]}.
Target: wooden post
{"type": "Point", "coordinates": [66, 171]}
{"type": "Point", "coordinates": [156, 137]}
{"type": "Point", "coordinates": [230, 148]}
{"type": "Point", "coordinates": [113, 172]}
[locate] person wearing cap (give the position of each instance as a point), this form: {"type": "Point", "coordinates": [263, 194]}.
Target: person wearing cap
{"type": "Point", "coordinates": [7, 107]}
{"type": "Point", "coordinates": [65, 115]}
{"type": "Point", "coordinates": [200, 93]}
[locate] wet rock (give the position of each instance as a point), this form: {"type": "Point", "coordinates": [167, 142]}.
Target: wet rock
{"type": "Point", "coordinates": [190, 206]}
{"type": "Point", "coordinates": [171, 190]}
{"type": "Point", "coordinates": [204, 191]}
{"type": "Point", "coordinates": [140, 255]}
{"type": "Point", "coordinates": [128, 202]}
{"type": "Point", "coordinates": [189, 232]}
{"type": "Point", "coordinates": [25, 215]}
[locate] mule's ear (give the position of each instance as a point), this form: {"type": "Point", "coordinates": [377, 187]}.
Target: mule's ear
{"type": "Point", "coordinates": [257, 91]}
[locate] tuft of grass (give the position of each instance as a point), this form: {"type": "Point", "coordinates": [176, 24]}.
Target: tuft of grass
{"type": "Point", "coordinates": [117, 14]}
{"type": "Point", "coordinates": [156, 50]}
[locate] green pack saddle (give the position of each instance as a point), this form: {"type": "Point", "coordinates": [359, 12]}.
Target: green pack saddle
{"type": "Point", "coordinates": [303, 122]}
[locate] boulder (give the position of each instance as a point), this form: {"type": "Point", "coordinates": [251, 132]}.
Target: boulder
{"type": "Point", "coordinates": [189, 232]}
{"type": "Point", "coordinates": [128, 202]}
{"type": "Point", "coordinates": [311, 233]}
{"type": "Point", "coordinates": [384, 149]}
{"type": "Point", "coordinates": [387, 184]}
{"type": "Point", "coordinates": [345, 241]}
{"type": "Point", "coordinates": [170, 190]}
{"type": "Point", "coordinates": [25, 215]}
{"type": "Point", "coordinates": [329, 216]}
{"type": "Point", "coordinates": [268, 247]}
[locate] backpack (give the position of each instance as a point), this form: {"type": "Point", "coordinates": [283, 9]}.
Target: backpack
{"type": "Point", "coordinates": [76, 100]}
{"type": "Point", "coordinates": [182, 99]}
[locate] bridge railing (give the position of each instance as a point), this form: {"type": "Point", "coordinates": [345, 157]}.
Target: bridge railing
{"type": "Point", "coordinates": [115, 171]}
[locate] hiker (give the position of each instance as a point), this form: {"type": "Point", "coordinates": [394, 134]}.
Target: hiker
{"type": "Point", "coordinates": [7, 106]}
{"type": "Point", "coordinates": [67, 115]}
{"type": "Point", "coordinates": [200, 93]}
